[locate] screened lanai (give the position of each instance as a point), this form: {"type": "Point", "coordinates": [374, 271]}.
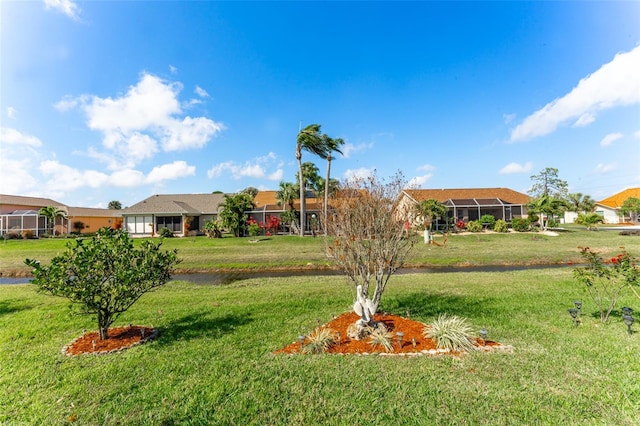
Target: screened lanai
{"type": "Point", "coordinates": [474, 208]}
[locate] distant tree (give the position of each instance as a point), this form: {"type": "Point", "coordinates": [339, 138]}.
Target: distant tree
{"type": "Point", "coordinates": [309, 139]}
{"type": "Point", "coordinates": [311, 177]}
{"type": "Point", "coordinates": [52, 213]}
{"type": "Point", "coordinates": [548, 183]}
{"type": "Point", "coordinates": [367, 241]}
{"type": "Point", "coordinates": [105, 275]}
{"type": "Point", "coordinates": [233, 214]}
{"type": "Point", "coordinates": [547, 205]}
{"type": "Point", "coordinates": [115, 205]}
{"type": "Point", "coordinates": [580, 203]}
{"type": "Point", "coordinates": [287, 193]}
{"type": "Point", "coordinates": [217, 192]}
{"type": "Point", "coordinates": [631, 207]}
{"type": "Point", "coordinates": [428, 210]}
{"type": "Point", "coordinates": [251, 191]}
{"type": "Point", "coordinates": [78, 226]}
{"type": "Point", "coordinates": [331, 145]}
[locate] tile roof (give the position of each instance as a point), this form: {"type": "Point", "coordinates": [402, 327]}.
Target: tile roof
{"type": "Point", "coordinates": [616, 200]}
{"type": "Point", "coordinates": [179, 204]}
{"type": "Point", "coordinates": [443, 195]}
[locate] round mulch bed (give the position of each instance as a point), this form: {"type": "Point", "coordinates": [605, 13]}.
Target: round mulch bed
{"type": "Point", "coordinates": [413, 341]}
{"type": "Point", "coordinates": [120, 338]}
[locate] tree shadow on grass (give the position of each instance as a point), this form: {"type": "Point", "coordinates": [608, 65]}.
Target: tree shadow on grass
{"type": "Point", "coordinates": [426, 306]}
{"type": "Point", "coordinates": [202, 324]}
{"type": "Point", "coordinates": [10, 306]}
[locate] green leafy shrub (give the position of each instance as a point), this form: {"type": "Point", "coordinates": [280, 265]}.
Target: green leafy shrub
{"type": "Point", "coordinates": [552, 223]}
{"type": "Point", "coordinates": [590, 220]}
{"type": "Point", "coordinates": [453, 333]}
{"type": "Point", "coordinates": [253, 229]}
{"type": "Point", "coordinates": [501, 226]}
{"type": "Point", "coordinates": [165, 232]}
{"type": "Point", "coordinates": [605, 279]}
{"type": "Point", "coordinates": [213, 229]}
{"type": "Point", "coordinates": [320, 340]}
{"type": "Point", "coordinates": [488, 219]}
{"type": "Point", "coordinates": [521, 224]}
{"type": "Point", "coordinates": [105, 275]}
{"type": "Point", "coordinates": [474, 226]}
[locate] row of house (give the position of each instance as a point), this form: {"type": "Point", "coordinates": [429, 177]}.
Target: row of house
{"type": "Point", "coordinates": [186, 214]}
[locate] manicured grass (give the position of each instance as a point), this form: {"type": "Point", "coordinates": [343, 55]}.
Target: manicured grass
{"type": "Point", "coordinates": [203, 253]}
{"type": "Point", "coordinates": [213, 361]}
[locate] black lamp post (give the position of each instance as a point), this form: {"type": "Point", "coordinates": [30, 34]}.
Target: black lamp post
{"type": "Point", "coordinates": [628, 320]}
{"type": "Point", "coordinates": [574, 314]}
{"type": "Point", "coordinates": [626, 310]}
{"type": "Point", "coordinates": [578, 304]}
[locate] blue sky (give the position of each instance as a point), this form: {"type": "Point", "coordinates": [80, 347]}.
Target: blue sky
{"type": "Point", "coordinates": [118, 100]}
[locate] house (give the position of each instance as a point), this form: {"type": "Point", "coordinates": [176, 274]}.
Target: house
{"type": "Point", "coordinates": [472, 203]}
{"type": "Point", "coordinates": [19, 214]}
{"type": "Point", "coordinates": [183, 214]}
{"type": "Point", "coordinates": [609, 208]}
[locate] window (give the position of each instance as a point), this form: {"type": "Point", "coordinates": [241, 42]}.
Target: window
{"type": "Point", "coordinates": [174, 223]}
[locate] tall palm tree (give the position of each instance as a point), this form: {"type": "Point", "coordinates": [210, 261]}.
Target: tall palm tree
{"type": "Point", "coordinates": [331, 146]}
{"type": "Point", "coordinates": [309, 139]}
{"type": "Point", "coordinates": [52, 213]}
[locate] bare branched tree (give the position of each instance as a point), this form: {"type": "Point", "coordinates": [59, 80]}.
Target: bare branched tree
{"type": "Point", "coordinates": [366, 238]}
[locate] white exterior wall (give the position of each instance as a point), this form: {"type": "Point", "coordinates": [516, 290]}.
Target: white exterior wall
{"type": "Point", "coordinates": [610, 215]}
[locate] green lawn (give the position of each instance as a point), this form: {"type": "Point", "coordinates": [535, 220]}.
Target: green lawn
{"type": "Point", "coordinates": [203, 253]}
{"type": "Point", "coordinates": [213, 360]}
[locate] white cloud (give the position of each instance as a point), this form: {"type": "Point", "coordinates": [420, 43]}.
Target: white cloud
{"type": "Point", "coordinates": [66, 7]}
{"type": "Point", "coordinates": [201, 92]}
{"type": "Point", "coordinates": [610, 138]}
{"type": "Point", "coordinates": [65, 178]}
{"type": "Point", "coordinates": [360, 173]}
{"type": "Point", "coordinates": [255, 168]}
{"type": "Point", "coordinates": [126, 178]}
{"type": "Point", "coordinates": [136, 123]}
{"type": "Point", "coordinates": [584, 120]}
{"type": "Point", "coordinates": [426, 168]}
{"type": "Point", "coordinates": [16, 178]}
{"type": "Point", "coordinates": [173, 70]}
{"type": "Point", "coordinates": [11, 113]}
{"type": "Point", "coordinates": [349, 148]}
{"type": "Point", "coordinates": [175, 170]}
{"type": "Point", "coordinates": [614, 84]}
{"type": "Point", "coordinates": [190, 133]}
{"type": "Point", "coordinates": [605, 168]}
{"type": "Point", "coordinates": [419, 181]}
{"type": "Point", "coordinates": [517, 168]}
{"type": "Point", "coordinates": [13, 136]}
{"type": "Point", "coordinates": [637, 134]}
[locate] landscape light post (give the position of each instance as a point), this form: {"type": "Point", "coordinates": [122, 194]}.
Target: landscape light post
{"type": "Point", "coordinates": [628, 320]}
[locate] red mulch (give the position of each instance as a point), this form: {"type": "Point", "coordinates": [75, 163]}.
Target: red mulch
{"type": "Point", "coordinates": [411, 329]}
{"type": "Point", "coordinates": [119, 338]}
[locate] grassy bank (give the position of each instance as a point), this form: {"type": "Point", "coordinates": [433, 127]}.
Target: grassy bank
{"type": "Point", "coordinates": [213, 361]}
{"type": "Point", "coordinates": [203, 253]}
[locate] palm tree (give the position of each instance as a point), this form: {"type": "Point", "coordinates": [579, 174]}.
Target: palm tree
{"type": "Point", "coordinates": [287, 193]}
{"type": "Point", "coordinates": [309, 139]}
{"type": "Point", "coordinates": [52, 213]}
{"type": "Point", "coordinates": [331, 145]}
{"type": "Point", "coordinates": [580, 203]}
